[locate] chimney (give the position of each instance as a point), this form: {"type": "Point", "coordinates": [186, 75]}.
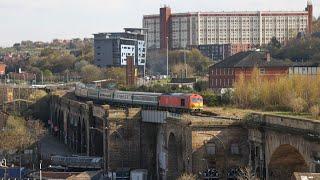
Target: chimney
{"type": "Point", "coordinates": [165, 14]}
{"type": "Point", "coordinates": [267, 56]}
{"type": "Point", "coordinates": [309, 9]}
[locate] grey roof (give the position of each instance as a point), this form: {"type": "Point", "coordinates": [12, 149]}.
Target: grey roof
{"type": "Point", "coordinates": [257, 59]}
{"type": "Point", "coordinates": [232, 60]}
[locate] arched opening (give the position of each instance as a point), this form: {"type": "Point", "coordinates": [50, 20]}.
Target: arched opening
{"type": "Point", "coordinates": [284, 161]}
{"type": "Point", "coordinates": [173, 171]}
{"type": "Point", "coordinates": [83, 141]}
{"type": "Point", "coordinates": [78, 135]}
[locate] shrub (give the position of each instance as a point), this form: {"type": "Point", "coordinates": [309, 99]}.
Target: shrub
{"type": "Point", "coordinates": [200, 86]}
{"type": "Point", "coordinates": [297, 93]}
{"type": "Point", "coordinates": [315, 111]}
{"type": "Point", "coordinates": [187, 177]}
{"type": "Point", "coordinates": [226, 97]}
{"type": "Point", "coordinates": [298, 105]}
{"type": "Point", "coordinates": [210, 98]}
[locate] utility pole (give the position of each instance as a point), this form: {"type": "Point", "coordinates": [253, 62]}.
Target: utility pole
{"type": "Point", "coordinates": [105, 133]}
{"type": "Point", "coordinates": [145, 60]}
{"type": "Point", "coordinates": [40, 170]}
{"type": "Point", "coordinates": [167, 38]}
{"type": "Point", "coordinates": [41, 77]}
{"type": "Point", "coordinates": [19, 94]}
{"type": "Point", "coordinates": [185, 61]}
{"type": "Point", "coordinates": [20, 176]}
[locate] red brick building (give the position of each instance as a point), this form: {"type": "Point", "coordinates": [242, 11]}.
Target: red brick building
{"type": "Point", "coordinates": [226, 72]}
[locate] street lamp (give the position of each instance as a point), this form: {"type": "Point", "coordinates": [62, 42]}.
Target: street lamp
{"type": "Point", "coordinates": [40, 170]}
{"type": "Point", "coordinates": [185, 60]}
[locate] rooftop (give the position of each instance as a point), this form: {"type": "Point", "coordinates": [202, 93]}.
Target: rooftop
{"type": "Point", "coordinates": [258, 59]}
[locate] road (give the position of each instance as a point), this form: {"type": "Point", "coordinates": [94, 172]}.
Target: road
{"type": "Point", "coordinates": [49, 145]}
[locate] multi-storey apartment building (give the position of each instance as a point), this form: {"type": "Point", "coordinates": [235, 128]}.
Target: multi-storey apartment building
{"type": "Point", "coordinates": [112, 49]}
{"type": "Point", "coordinates": [200, 28]}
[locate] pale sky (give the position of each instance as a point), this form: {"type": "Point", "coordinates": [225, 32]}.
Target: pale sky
{"type": "Point", "coordinates": [44, 20]}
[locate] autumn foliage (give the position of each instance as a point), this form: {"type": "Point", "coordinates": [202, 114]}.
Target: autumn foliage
{"type": "Point", "coordinates": [19, 134]}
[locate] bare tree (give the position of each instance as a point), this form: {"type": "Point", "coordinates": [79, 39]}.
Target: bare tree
{"type": "Point", "coordinates": [246, 174]}
{"type": "Point", "coordinates": [187, 176]}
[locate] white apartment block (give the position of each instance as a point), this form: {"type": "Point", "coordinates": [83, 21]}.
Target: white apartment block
{"type": "Point", "coordinates": [199, 28]}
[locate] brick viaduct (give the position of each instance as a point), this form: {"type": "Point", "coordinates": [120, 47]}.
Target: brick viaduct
{"type": "Point", "coordinates": [268, 144]}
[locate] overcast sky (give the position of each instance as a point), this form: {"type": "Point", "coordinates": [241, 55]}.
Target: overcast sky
{"type": "Point", "coordinates": [43, 20]}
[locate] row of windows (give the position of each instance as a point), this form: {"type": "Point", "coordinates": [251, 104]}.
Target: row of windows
{"type": "Point", "coordinates": [222, 71]}
{"type": "Point", "coordinates": [304, 70]}
{"type": "Point", "coordinates": [211, 148]}
{"type": "Point", "coordinates": [222, 82]}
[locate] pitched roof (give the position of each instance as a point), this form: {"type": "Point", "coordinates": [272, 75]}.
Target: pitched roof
{"type": "Point", "coordinates": [232, 60]}
{"type": "Point", "coordinates": [257, 59]}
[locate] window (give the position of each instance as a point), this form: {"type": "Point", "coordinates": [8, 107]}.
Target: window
{"type": "Point", "coordinates": [235, 148]}
{"type": "Point", "coordinates": [262, 70]}
{"type": "Point", "coordinates": [314, 70]}
{"type": "Point", "coordinates": [183, 102]}
{"type": "Point", "coordinates": [210, 148]}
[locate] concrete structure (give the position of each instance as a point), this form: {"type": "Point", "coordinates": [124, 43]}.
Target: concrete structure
{"type": "Point", "coordinates": [215, 52]}
{"type": "Point", "coordinates": [305, 176]}
{"type": "Point", "coordinates": [218, 52]}
{"type": "Point", "coordinates": [200, 28]}
{"type": "Point", "coordinates": [112, 49]}
{"type": "Point", "coordinates": [269, 144]}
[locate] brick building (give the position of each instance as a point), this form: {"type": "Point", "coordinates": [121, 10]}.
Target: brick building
{"type": "Point", "coordinates": [226, 72]}
{"type": "Point", "coordinates": [242, 27]}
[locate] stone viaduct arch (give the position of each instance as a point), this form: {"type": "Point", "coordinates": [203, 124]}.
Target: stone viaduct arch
{"type": "Point", "coordinates": [284, 161]}
{"type": "Point", "coordinates": [70, 123]}
{"type": "Point", "coordinates": [286, 153]}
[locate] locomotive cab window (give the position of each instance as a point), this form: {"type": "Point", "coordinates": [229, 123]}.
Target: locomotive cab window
{"type": "Point", "coordinates": [183, 102]}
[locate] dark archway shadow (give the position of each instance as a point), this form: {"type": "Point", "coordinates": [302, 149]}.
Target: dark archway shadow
{"type": "Point", "coordinates": [284, 161]}
{"type": "Point", "coordinates": [173, 171]}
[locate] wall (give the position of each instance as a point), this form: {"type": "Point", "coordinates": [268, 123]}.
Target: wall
{"type": "Point", "coordinates": [270, 73]}
{"type": "Point", "coordinates": [221, 77]}
{"type": "Point", "coordinates": [220, 139]}
{"type": "Point", "coordinates": [103, 54]}
{"type": "Point", "coordinates": [271, 133]}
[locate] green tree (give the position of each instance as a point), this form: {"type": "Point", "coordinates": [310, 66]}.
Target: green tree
{"type": "Point", "coordinates": [199, 62]}
{"type": "Point", "coordinates": [200, 86]}
{"type": "Point", "coordinates": [210, 98]}
{"type": "Point", "coordinates": [316, 25]}
{"type": "Point", "coordinates": [18, 134]}
{"type": "Point", "coordinates": [79, 64]}
{"type": "Point", "coordinates": [178, 70]}
{"type": "Point", "coordinates": [91, 73]}
{"type": "Point", "coordinates": [47, 73]}
{"type": "Point", "coordinates": [118, 74]}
